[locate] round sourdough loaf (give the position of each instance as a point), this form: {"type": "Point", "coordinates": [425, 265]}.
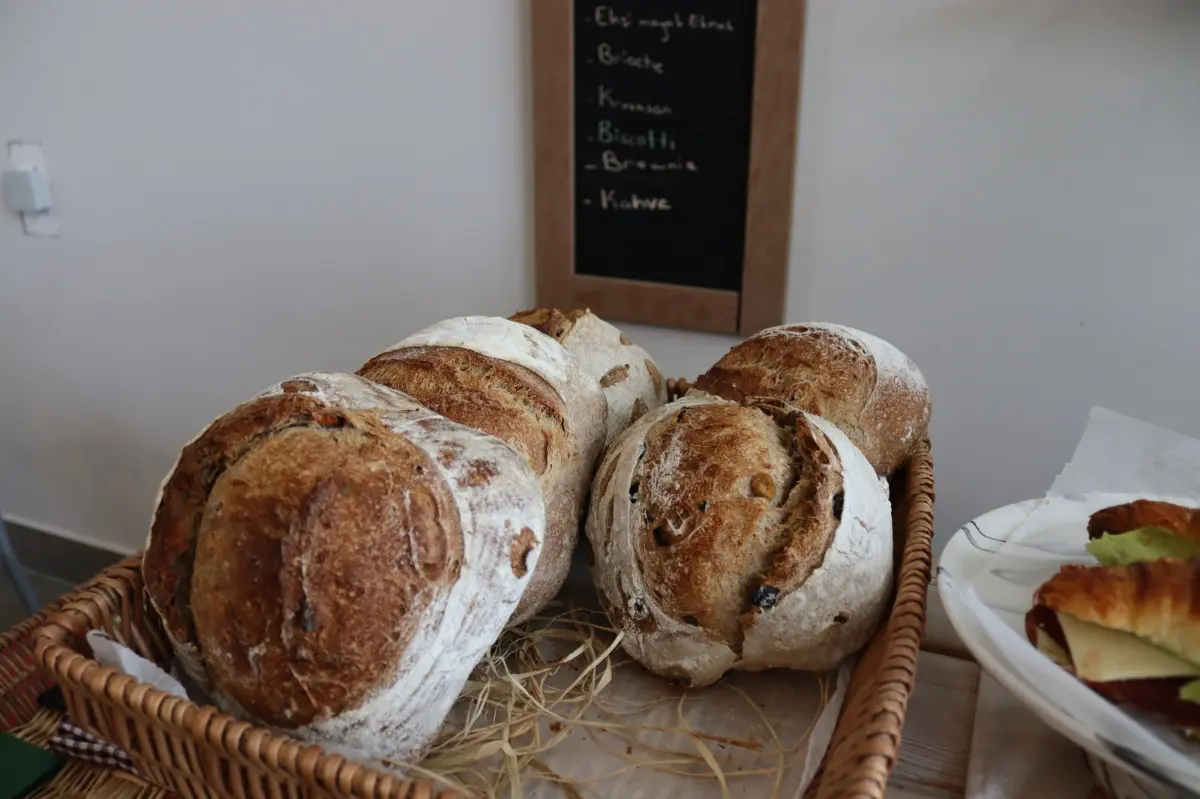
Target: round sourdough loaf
{"type": "Point", "coordinates": [523, 387]}
{"type": "Point", "coordinates": [862, 384]}
{"type": "Point", "coordinates": [631, 381]}
{"type": "Point", "coordinates": [729, 536]}
{"type": "Point", "coordinates": [332, 559]}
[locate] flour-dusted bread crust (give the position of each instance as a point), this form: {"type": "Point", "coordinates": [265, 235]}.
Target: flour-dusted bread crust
{"type": "Point", "coordinates": [839, 606]}
{"type": "Point", "coordinates": [730, 536]}
{"type": "Point", "coordinates": [523, 387]}
{"type": "Point", "coordinates": [861, 383]}
{"type": "Point", "coordinates": [332, 559]}
{"type": "Point", "coordinates": [631, 380]}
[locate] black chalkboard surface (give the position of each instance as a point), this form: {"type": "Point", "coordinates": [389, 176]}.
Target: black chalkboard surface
{"type": "Point", "coordinates": [663, 99]}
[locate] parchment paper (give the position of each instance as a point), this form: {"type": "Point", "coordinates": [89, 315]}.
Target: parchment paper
{"type": "Point", "coordinates": [733, 720]}
{"type": "Point", "coordinates": [1118, 459]}
{"type": "Point", "coordinates": [597, 762]}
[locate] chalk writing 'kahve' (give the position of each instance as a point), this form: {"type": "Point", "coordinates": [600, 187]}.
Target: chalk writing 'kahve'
{"type": "Point", "coordinates": [632, 202]}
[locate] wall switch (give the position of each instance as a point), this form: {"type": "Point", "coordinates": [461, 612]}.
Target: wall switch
{"type": "Point", "coordinates": [26, 191]}
{"type": "Point", "coordinates": [26, 188]}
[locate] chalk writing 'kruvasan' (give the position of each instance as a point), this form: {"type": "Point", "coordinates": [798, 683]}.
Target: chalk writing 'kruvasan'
{"type": "Point", "coordinates": [605, 99]}
{"type": "Point", "coordinates": [632, 202]}
{"type": "Point", "coordinates": [621, 58]}
{"type": "Point", "coordinates": [608, 133]}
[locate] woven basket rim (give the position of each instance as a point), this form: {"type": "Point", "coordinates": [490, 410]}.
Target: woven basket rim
{"type": "Point", "coordinates": [219, 729]}
{"type": "Point", "coordinates": [871, 749]}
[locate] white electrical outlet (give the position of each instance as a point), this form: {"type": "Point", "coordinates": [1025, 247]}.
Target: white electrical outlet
{"type": "Point", "coordinates": [27, 156]}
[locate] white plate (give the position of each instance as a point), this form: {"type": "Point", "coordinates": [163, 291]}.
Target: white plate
{"type": "Point", "coordinates": [967, 553]}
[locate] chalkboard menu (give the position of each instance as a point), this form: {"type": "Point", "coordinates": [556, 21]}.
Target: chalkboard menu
{"type": "Point", "coordinates": [664, 139]}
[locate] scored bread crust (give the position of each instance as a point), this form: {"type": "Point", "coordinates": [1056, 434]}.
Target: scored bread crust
{"type": "Point", "coordinates": [1158, 601]}
{"type": "Point", "coordinates": [632, 383]}
{"type": "Point", "coordinates": [1179, 520]}
{"type": "Point", "coordinates": [705, 506]}
{"type": "Point", "coordinates": [853, 582]}
{"type": "Point", "coordinates": [331, 559]}
{"type": "Point", "coordinates": [515, 383]}
{"type": "Point", "coordinates": [873, 392]}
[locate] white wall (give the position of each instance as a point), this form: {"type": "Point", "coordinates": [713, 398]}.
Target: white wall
{"type": "Point", "coordinates": [1007, 189]}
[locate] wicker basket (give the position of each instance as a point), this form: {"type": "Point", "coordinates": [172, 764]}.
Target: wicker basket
{"type": "Point", "coordinates": [199, 751]}
{"type": "Point", "coordinates": [21, 681]}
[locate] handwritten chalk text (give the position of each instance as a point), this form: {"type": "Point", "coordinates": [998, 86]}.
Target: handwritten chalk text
{"type": "Point", "coordinates": [632, 202]}
{"type": "Point", "coordinates": [615, 163]}
{"type": "Point", "coordinates": [651, 139]}
{"type": "Point", "coordinates": [609, 17]}
{"type": "Point", "coordinates": [622, 58]}
{"type": "Point", "coordinates": [605, 99]}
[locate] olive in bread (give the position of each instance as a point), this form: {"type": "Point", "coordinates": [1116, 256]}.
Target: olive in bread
{"type": "Point", "coordinates": [332, 559]}
{"type": "Point", "coordinates": [523, 387]}
{"type": "Point", "coordinates": [728, 536]}
{"type": "Point", "coordinates": [861, 383]}
{"type": "Point", "coordinates": [631, 380]}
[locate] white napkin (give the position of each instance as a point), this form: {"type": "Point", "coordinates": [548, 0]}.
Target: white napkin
{"type": "Point", "coordinates": [120, 657]}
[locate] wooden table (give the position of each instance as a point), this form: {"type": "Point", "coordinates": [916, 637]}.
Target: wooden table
{"type": "Point", "coordinates": [935, 753]}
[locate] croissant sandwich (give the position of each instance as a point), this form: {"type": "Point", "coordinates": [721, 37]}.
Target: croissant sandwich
{"type": "Point", "coordinates": [1131, 633]}
{"type": "Point", "coordinates": [1143, 530]}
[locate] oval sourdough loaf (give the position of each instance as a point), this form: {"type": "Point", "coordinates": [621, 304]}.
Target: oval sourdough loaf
{"type": "Point", "coordinates": [631, 381]}
{"type": "Point", "coordinates": [523, 387]}
{"type": "Point", "coordinates": [729, 536]}
{"type": "Point", "coordinates": [332, 559]}
{"type": "Point", "coordinates": [861, 383]}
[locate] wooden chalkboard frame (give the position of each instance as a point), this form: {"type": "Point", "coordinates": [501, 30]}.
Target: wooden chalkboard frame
{"type": "Point", "coordinates": [760, 302]}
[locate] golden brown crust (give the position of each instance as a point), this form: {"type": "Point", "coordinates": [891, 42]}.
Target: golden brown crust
{"type": "Point", "coordinates": [615, 375]}
{"type": "Point", "coordinates": [294, 619]}
{"type": "Point", "coordinates": [504, 399]}
{"type": "Point", "coordinates": [1118, 519]}
{"type": "Point", "coordinates": [518, 556]}
{"type": "Point", "coordinates": [267, 540]}
{"type": "Point", "coordinates": [638, 411]}
{"type": "Point", "coordinates": [831, 372]}
{"type": "Point", "coordinates": [761, 499]}
{"type": "Point", "coordinates": [554, 323]}
{"type": "Point", "coordinates": [1156, 600]}
{"type": "Point", "coordinates": [176, 523]}
{"type": "Point", "coordinates": [655, 375]}
{"type": "Point", "coordinates": [821, 373]}
{"type": "Point", "coordinates": [520, 407]}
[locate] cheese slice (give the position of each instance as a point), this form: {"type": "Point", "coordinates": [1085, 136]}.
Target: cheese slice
{"type": "Point", "coordinates": [1050, 648]}
{"type": "Point", "coordinates": [1104, 655]}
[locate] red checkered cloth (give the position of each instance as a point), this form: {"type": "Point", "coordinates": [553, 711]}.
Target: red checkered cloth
{"type": "Point", "coordinates": [75, 742]}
